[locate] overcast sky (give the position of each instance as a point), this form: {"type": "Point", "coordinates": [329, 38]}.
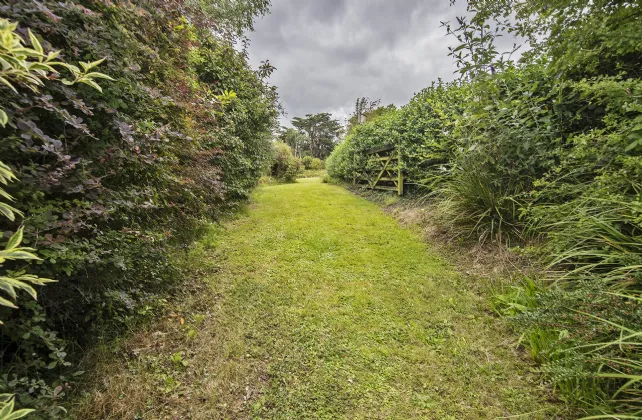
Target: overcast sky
{"type": "Point", "coordinates": [330, 52]}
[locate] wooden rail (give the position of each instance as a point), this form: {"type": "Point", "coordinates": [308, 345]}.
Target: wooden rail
{"type": "Point", "coordinates": [383, 171]}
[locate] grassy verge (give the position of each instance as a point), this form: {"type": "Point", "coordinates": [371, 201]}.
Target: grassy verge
{"type": "Point", "coordinates": [318, 305]}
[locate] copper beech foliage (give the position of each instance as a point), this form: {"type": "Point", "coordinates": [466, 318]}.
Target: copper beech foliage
{"type": "Point", "coordinates": [114, 185]}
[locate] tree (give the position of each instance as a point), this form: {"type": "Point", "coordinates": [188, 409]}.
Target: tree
{"type": "Point", "coordinates": [323, 133]}
{"type": "Point", "coordinates": [368, 109]}
{"type": "Point", "coordinates": [364, 106]}
{"type": "Point", "coordinates": [297, 141]}
{"type": "Point", "coordinates": [231, 18]}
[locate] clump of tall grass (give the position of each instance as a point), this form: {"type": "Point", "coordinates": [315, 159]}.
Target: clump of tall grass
{"type": "Point", "coordinates": [477, 204]}
{"type": "Point", "coordinates": [587, 342]}
{"type": "Point", "coordinates": [583, 326]}
{"type": "Point", "coordinates": [585, 329]}
{"type": "Point", "coordinates": [597, 236]}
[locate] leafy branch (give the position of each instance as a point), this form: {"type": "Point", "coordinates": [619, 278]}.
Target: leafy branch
{"type": "Point", "coordinates": [27, 67]}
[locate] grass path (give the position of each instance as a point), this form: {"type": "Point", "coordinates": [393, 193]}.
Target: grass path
{"type": "Point", "coordinates": [326, 308]}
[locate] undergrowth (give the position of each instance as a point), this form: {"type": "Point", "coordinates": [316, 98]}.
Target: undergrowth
{"type": "Point", "coordinates": [541, 155]}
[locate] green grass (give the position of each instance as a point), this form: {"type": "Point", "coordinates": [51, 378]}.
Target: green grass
{"type": "Point", "coordinates": [356, 318]}
{"type": "Point", "coordinates": [323, 307]}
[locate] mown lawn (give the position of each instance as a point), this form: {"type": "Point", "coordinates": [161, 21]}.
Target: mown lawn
{"type": "Point", "coordinates": [323, 307]}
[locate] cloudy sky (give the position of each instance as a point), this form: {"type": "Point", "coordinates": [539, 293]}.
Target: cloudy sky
{"type": "Point", "coordinates": [330, 52]}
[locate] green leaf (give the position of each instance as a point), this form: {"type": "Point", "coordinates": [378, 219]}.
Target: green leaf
{"type": "Point", "coordinates": [7, 286]}
{"type": "Point", "coordinates": [4, 118]}
{"type": "Point", "coordinates": [35, 43]}
{"type": "Point", "coordinates": [18, 254]}
{"type": "Point", "coordinates": [89, 66]}
{"type": "Point", "coordinates": [41, 66]}
{"type": "Point", "coordinates": [96, 75]}
{"type": "Point", "coordinates": [40, 281]}
{"type": "Point", "coordinates": [7, 409]}
{"type": "Point", "coordinates": [7, 303]}
{"type": "Point", "coordinates": [20, 414]}
{"type": "Point", "coordinates": [5, 172]}
{"type": "Point", "coordinates": [15, 239]}
{"type": "Point", "coordinates": [7, 83]}
{"type": "Point", "coordinates": [11, 282]}
{"type": "Point", "coordinates": [52, 55]}
{"type": "Point", "coordinates": [8, 211]}
{"type": "Point", "coordinates": [5, 194]}
{"type": "Point", "coordinates": [92, 84]}
{"type": "Point", "coordinates": [4, 398]}
{"type": "Point", "coordinates": [632, 146]}
{"type": "Point", "coordinates": [73, 69]}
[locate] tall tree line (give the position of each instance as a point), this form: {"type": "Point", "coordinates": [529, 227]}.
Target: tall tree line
{"type": "Point", "coordinates": [314, 135]}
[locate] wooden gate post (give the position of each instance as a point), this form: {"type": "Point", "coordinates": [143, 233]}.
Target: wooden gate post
{"type": "Point", "coordinates": [400, 179]}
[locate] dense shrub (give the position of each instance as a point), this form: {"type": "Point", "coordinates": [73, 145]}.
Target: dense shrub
{"type": "Point", "coordinates": [307, 161]}
{"type": "Point", "coordinates": [317, 164]}
{"type": "Point", "coordinates": [420, 130]}
{"type": "Point", "coordinates": [348, 158]}
{"type": "Point", "coordinates": [549, 148]}
{"type": "Point", "coordinates": [285, 167]}
{"type": "Point", "coordinates": [312, 163]}
{"type": "Point", "coordinates": [114, 185]}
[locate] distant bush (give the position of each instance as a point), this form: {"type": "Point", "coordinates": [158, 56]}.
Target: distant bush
{"type": "Point", "coordinates": [285, 167]}
{"type": "Point", "coordinates": [312, 163]}
{"type": "Point", "coordinates": [317, 164]}
{"type": "Point", "coordinates": [307, 162]}
{"type": "Point", "coordinates": [327, 179]}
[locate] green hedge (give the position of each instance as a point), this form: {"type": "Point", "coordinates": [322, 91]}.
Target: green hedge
{"type": "Point", "coordinates": [544, 154]}
{"type": "Point", "coordinates": [114, 186]}
{"type": "Point", "coordinates": [420, 130]}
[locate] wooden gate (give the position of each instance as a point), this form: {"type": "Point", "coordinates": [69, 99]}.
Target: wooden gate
{"type": "Point", "coordinates": [383, 170]}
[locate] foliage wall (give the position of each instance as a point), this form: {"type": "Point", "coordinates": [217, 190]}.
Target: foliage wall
{"type": "Point", "coordinates": [546, 154]}
{"type": "Point", "coordinates": [115, 185]}
{"type": "Point", "coordinates": [420, 130]}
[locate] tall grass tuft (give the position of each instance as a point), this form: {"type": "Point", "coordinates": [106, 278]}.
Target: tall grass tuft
{"type": "Point", "coordinates": [586, 340]}
{"type": "Point", "coordinates": [479, 205]}
{"type": "Point", "coordinates": [597, 236]}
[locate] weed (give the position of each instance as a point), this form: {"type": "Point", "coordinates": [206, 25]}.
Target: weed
{"type": "Point", "coordinates": [178, 359]}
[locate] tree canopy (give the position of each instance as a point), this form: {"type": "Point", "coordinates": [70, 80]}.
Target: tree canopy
{"type": "Point", "coordinates": [323, 133]}
{"type": "Point", "coordinates": [298, 142]}
{"type": "Point", "coordinates": [369, 109]}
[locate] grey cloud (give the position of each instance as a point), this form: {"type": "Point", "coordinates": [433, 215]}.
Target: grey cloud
{"type": "Point", "coordinates": [329, 52]}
